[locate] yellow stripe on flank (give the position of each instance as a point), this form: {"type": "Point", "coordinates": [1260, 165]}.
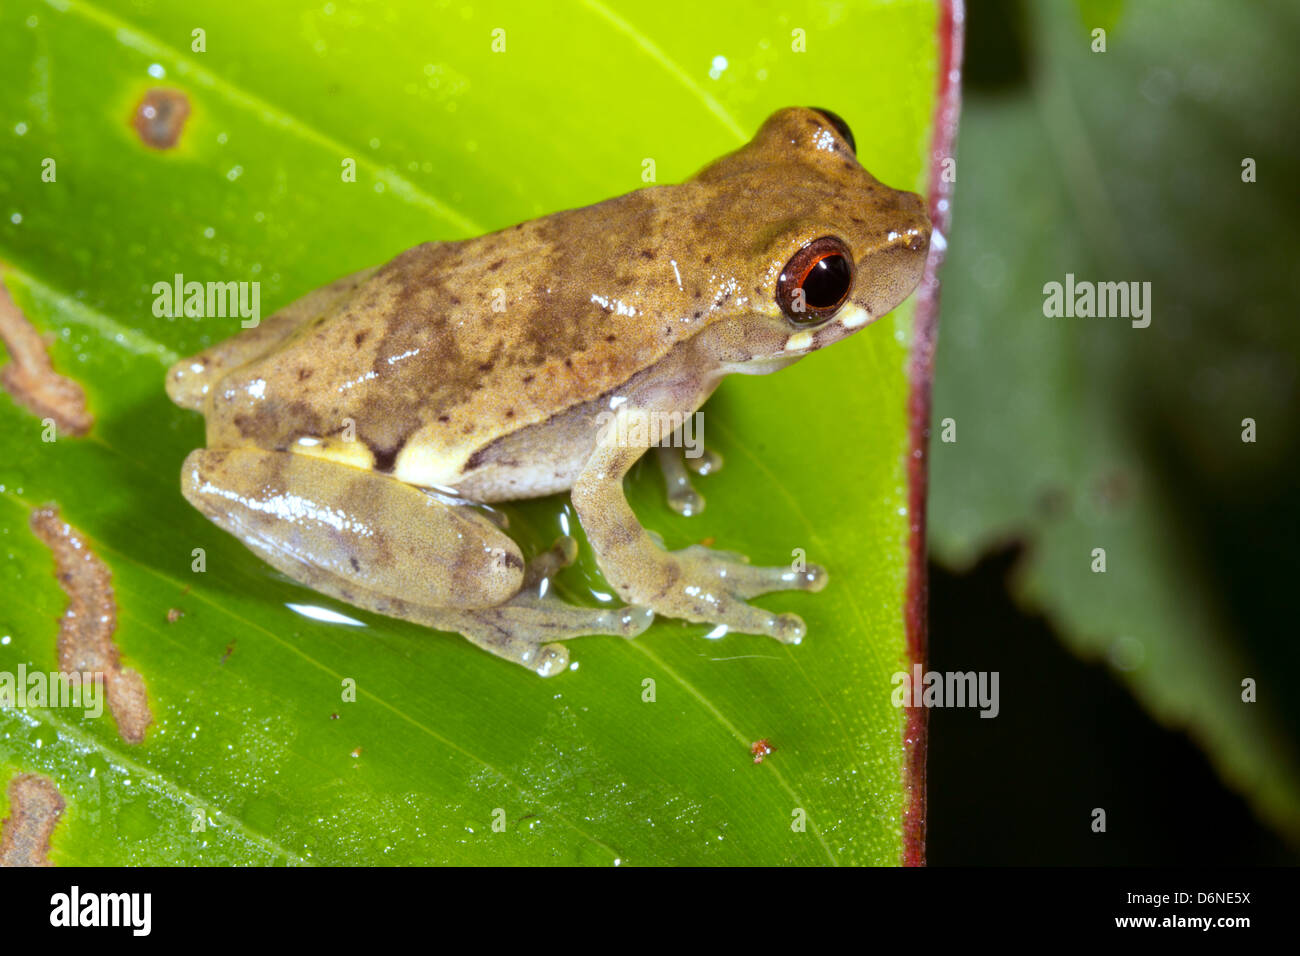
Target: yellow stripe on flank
{"type": "Point", "coordinates": [352, 453]}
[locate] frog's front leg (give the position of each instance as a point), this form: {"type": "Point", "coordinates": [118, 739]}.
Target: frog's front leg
{"type": "Point", "coordinates": [696, 583]}
{"type": "Point", "coordinates": [388, 547]}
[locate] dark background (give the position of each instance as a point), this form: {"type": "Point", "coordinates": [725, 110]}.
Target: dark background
{"type": "Point", "coordinates": [1020, 789]}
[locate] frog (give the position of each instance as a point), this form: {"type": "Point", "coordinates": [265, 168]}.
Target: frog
{"type": "Point", "coordinates": [358, 438]}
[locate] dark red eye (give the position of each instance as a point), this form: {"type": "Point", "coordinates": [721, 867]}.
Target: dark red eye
{"type": "Point", "coordinates": [816, 281]}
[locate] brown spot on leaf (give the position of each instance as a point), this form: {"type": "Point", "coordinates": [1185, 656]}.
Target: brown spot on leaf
{"type": "Point", "coordinates": [160, 116]}
{"type": "Point", "coordinates": [30, 378]}
{"type": "Point", "coordinates": [174, 614]}
{"type": "Point", "coordinates": [1113, 489]}
{"type": "Point", "coordinates": [35, 806]}
{"type": "Point", "coordinates": [760, 749]}
{"type": "Point", "coordinates": [1053, 501]}
{"type": "Point", "coordinates": [86, 631]}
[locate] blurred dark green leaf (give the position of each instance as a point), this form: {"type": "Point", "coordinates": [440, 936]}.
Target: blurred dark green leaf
{"type": "Point", "coordinates": [1083, 433]}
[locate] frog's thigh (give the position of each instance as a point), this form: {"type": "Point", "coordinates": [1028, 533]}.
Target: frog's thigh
{"type": "Point", "coordinates": [355, 534]}
{"type": "Point", "coordinates": [188, 378]}
{"type": "Point", "coordinates": [387, 547]}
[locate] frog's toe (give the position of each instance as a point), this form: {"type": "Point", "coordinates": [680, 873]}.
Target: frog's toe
{"type": "Point", "coordinates": [744, 580]}
{"type": "Point", "coordinates": [550, 563]}
{"type": "Point", "coordinates": [812, 578]}
{"type": "Point", "coordinates": [546, 660]}
{"type": "Point", "coordinates": [686, 501]}
{"type": "Point", "coordinates": [633, 621]}
{"type": "Point", "coordinates": [567, 548]}
{"type": "Point", "coordinates": [682, 496]}
{"type": "Point", "coordinates": [788, 629]}
{"type": "Point", "coordinates": [747, 619]}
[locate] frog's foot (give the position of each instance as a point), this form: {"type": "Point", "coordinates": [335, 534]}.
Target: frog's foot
{"type": "Point", "coordinates": [682, 496]}
{"type": "Point", "coordinates": [517, 629]}
{"type": "Point", "coordinates": [700, 584]}
{"type": "Point", "coordinates": [539, 612]}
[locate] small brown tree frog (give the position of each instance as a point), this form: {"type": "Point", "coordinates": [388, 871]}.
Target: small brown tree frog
{"type": "Point", "coordinates": [351, 435]}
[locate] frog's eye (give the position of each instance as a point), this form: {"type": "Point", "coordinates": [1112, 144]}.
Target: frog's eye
{"type": "Point", "coordinates": [841, 127]}
{"type": "Point", "coordinates": [816, 281]}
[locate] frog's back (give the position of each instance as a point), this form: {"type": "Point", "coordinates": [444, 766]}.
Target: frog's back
{"type": "Point", "coordinates": [451, 345]}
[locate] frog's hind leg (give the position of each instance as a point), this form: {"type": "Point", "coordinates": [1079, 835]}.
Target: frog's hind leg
{"type": "Point", "coordinates": [385, 546]}
{"type": "Point", "coordinates": [188, 380]}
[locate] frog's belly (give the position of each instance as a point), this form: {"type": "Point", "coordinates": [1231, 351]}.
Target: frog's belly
{"type": "Point", "coordinates": [506, 482]}
{"type": "Point", "coordinates": [539, 460]}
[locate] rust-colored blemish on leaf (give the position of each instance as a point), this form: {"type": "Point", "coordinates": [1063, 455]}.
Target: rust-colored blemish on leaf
{"type": "Point", "coordinates": [86, 631]}
{"type": "Point", "coordinates": [760, 749]}
{"type": "Point", "coordinates": [160, 116]}
{"type": "Point", "coordinates": [30, 378]}
{"type": "Point", "coordinates": [35, 806]}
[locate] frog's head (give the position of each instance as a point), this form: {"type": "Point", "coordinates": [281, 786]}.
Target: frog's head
{"type": "Point", "coordinates": [824, 247]}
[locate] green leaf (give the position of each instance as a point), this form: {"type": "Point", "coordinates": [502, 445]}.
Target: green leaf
{"type": "Point", "coordinates": [450, 139]}
{"type": "Point", "coordinates": [1075, 434]}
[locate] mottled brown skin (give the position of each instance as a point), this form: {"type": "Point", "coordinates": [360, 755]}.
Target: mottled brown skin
{"type": "Point", "coordinates": [480, 367]}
